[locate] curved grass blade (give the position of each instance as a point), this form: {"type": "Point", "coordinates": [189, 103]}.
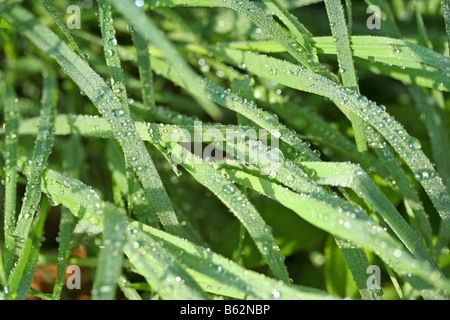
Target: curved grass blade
{"type": "Point", "coordinates": [41, 153]}
{"type": "Point", "coordinates": [266, 22]}
{"type": "Point", "coordinates": [160, 267]}
{"type": "Point", "coordinates": [396, 58]}
{"type": "Point", "coordinates": [85, 203]}
{"type": "Point", "coordinates": [232, 101]}
{"type": "Point", "coordinates": [108, 105]}
{"type": "Point", "coordinates": [298, 30]}
{"type": "Point", "coordinates": [56, 16]}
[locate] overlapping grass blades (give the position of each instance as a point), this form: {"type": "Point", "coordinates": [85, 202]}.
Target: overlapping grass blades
{"type": "Point", "coordinates": [343, 199]}
{"type": "Point", "coordinates": [108, 105]}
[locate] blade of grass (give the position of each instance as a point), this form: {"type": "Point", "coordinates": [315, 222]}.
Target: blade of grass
{"type": "Point", "coordinates": [347, 70]}
{"type": "Point", "coordinates": [85, 203]}
{"type": "Point", "coordinates": [411, 198]}
{"type": "Point", "coordinates": [11, 111]}
{"type": "Point", "coordinates": [56, 16]}
{"type": "Point", "coordinates": [446, 10]}
{"type": "Point", "coordinates": [110, 258]}
{"type": "Point", "coordinates": [43, 148]}
{"type": "Point", "coordinates": [145, 69]}
{"type": "Point", "coordinates": [298, 30]}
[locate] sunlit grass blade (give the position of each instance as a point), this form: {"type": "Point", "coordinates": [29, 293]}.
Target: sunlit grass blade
{"type": "Point", "coordinates": [234, 102]}
{"type": "Point", "coordinates": [160, 268]}
{"type": "Point", "coordinates": [411, 198]}
{"type": "Point", "coordinates": [299, 31]}
{"type": "Point", "coordinates": [110, 49]}
{"type": "Point", "coordinates": [400, 59]}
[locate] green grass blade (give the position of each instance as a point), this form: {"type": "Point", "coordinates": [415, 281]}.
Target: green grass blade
{"type": "Point", "coordinates": [41, 153]}
{"type": "Point", "coordinates": [110, 258]}
{"type": "Point", "coordinates": [446, 10]}
{"type": "Point", "coordinates": [110, 50]}
{"type": "Point", "coordinates": [437, 131]}
{"type": "Point", "coordinates": [145, 69]}
{"type": "Point", "coordinates": [56, 16]}
{"type": "Point", "coordinates": [411, 198]}
{"type": "Point", "coordinates": [400, 59]}
{"type": "Point", "coordinates": [11, 111]}
{"type": "Point", "coordinates": [347, 70]}
{"type": "Point", "coordinates": [160, 268]}
{"type": "Point", "coordinates": [66, 228]}
{"type": "Point", "coordinates": [24, 270]}
{"type": "Point", "coordinates": [232, 101]}
{"type": "Point", "coordinates": [298, 30]}
{"type": "Point", "coordinates": [148, 257]}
